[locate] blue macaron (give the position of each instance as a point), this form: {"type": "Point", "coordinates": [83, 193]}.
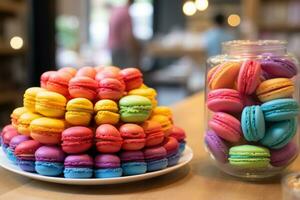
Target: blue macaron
{"type": "Point", "coordinates": [134, 168]}
{"type": "Point", "coordinates": [280, 109]}
{"type": "Point", "coordinates": [253, 123]}
{"type": "Point", "coordinates": [108, 172]}
{"type": "Point", "coordinates": [279, 134]}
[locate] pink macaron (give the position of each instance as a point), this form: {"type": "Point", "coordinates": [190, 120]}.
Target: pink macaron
{"type": "Point", "coordinates": [249, 77]}
{"type": "Point", "coordinates": [134, 137]}
{"type": "Point", "coordinates": [58, 82]}
{"type": "Point", "coordinates": [132, 77]}
{"type": "Point", "coordinates": [82, 86]}
{"type": "Point", "coordinates": [226, 126]}
{"type": "Point", "coordinates": [224, 100]}
{"type": "Point", "coordinates": [110, 88]}
{"type": "Point", "coordinates": [44, 78]}
{"type": "Point", "coordinates": [87, 71]}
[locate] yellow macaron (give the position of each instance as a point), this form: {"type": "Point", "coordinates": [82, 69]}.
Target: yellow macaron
{"type": "Point", "coordinates": [30, 97]}
{"type": "Point", "coordinates": [15, 115]}
{"type": "Point", "coordinates": [50, 104]}
{"type": "Point", "coordinates": [165, 123]}
{"type": "Point", "coordinates": [24, 122]}
{"type": "Point", "coordinates": [107, 112]}
{"type": "Point", "coordinates": [47, 130]}
{"type": "Point", "coordinates": [163, 110]}
{"type": "Point", "coordinates": [79, 112]}
{"type": "Point", "coordinates": [275, 88]}
{"type": "Point", "coordinates": [147, 92]}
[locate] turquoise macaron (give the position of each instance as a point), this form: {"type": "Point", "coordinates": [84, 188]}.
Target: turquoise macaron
{"type": "Point", "coordinates": [253, 123]}
{"type": "Point", "coordinates": [249, 156]}
{"type": "Point", "coordinates": [280, 109]}
{"type": "Point", "coordinates": [135, 108]}
{"type": "Point", "coordinates": [279, 134]}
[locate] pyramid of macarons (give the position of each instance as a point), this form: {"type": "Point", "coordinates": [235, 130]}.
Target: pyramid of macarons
{"type": "Point", "coordinates": [94, 122]}
{"type": "Point", "coordinates": [254, 108]}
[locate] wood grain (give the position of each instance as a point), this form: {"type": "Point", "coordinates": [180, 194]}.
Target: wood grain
{"type": "Point", "coordinates": [199, 180]}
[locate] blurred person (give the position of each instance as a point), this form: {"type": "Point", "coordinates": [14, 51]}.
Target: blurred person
{"type": "Point", "coordinates": [214, 37]}
{"type": "Point", "coordinates": [121, 41]}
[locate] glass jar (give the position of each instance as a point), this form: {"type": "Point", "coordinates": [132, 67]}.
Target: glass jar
{"type": "Point", "coordinates": [251, 108]}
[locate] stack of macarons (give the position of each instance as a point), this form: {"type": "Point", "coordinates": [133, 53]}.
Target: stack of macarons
{"type": "Point", "coordinates": [100, 122]}
{"type": "Point", "coordinates": [254, 109]}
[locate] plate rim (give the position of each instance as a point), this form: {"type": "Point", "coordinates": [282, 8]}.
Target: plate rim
{"type": "Point", "coordinates": [7, 165]}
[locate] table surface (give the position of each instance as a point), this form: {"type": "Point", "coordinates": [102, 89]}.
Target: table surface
{"type": "Point", "coordinates": [198, 180]}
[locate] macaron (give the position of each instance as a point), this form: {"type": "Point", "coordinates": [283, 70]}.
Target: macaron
{"type": "Point", "coordinates": [110, 88]}
{"type": "Point", "coordinates": [253, 123]}
{"type": "Point", "coordinates": [107, 112]}
{"type": "Point", "coordinates": [133, 163]}
{"type": "Point", "coordinates": [107, 68]}
{"type": "Point", "coordinates": [82, 86]}
{"type": "Point", "coordinates": [179, 134]}
{"type": "Point", "coordinates": [25, 153]}
{"type": "Point", "coordinates": [165, 123]}
{"type": "Point", "coordinates": [4, 130]}
{"type": "Point", "coordinates": [224, 100]}
{"type": "Point", "coordinates": [216, 146]}
{"type": "Point", "coordinates": [77, 139]}
{"type": "Point", "coordinates": [58, 82]}
{"type": "Point", "coordinates": [154, 133]}
{"type": "Point", "coordinates": [108, 139]}
{"type": "Point", "coordinates": [87, 71]}
{"type": "Point", "coordinates": [78, 166]}
{"type": "Point", "coordinates": [109, 72]}
{"type": "Point", "coordinates": [49, 160]}
{"type": "Point", "coordinates": [79, 112]}
{"type": "Point", "coordinates": [279, 134]}
{"type": "Point", "coordinates": [172, 147]}
{"type": "Point", "coordinates": [107, 166]}
{"type": "Point", "coordinates": [132, 77]}
{"type": "Point", "coordinates": [7, 137]}
{"type": "Point", "coordinates": [156, 158]}
{"type": "Point", "coordinates": [163, 110]}
{"type": "Point", "coordinates": [16, 114]}
{"type": "Point", "coordinates": [133, 137]}
{"type": "Point", "coordinates": [134, 108]}
{"type": "Point", "coordinates": [275, 88]}
{"type": "Point", "coordinates": [50, 104]}
{"type": "Point", "coordinates": [44, 78]}
{"type": "Point", "coordinates": [24, 122]}
{"type": "Point", "coordinates": [70, 70]}
{"type": "Point", "coordinates": [277, 67]}
{"type": "Point", "coordinates": [29, 99]}
{"type": "Point", "coordinates": [226, 126]}
{"type": "Point", "coordinates": [249, 157]}
{"type": "Point", "coordinates": [280, 109]}
{"type": "Point", "coordinates": [10, 151]}
{"type": "Point", "coordinates": [47, 130]}
{"type": "Point", "coordinates": [249, 77]}
{"type": "Point", "coordinates": [223, 75]}
{"type": "Point", "coordinates": [282, 157]}
{"type": "Point", "coordinates": [149, 93]}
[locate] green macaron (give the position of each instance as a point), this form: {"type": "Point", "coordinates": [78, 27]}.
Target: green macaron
{"type": "Point", "coordinates": [135, 108]}
{"type": "Point", "coordinates": [249, 156]}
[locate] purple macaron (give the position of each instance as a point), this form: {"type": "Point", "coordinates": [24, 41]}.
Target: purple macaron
{"type": "Point", "coordinates": [49, 160]}
{"type": "Point", "coordinates": [282, 157]}
{"type": "Point", "coordinates": [216, 146]}
{"type": "Point", "coordinates": [275, 67]}
{"type": "Point", "coordinates": [78, 166]}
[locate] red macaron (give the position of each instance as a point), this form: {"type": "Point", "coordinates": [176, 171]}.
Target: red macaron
{"type": "Point", "coordinates": [133, 136]}
{"type": "Point", "coordinates": [58, 82]}
{"type": "Point", "coordinates": [77, 139]}
{"type": "Point", "coordinates": [87, 71]}
{"type": "Point", "coordinates": [108, 139]}
{"type": "Point", "coordinates": [70, 70]}
{"type": "Point", "coordinates": [44, 78]}
{"type": "Point", "coordinates": [171, 145]}
{"type": "Point", "coordinates": [8, 134]}
{"type": "Point", "coordinates": [82, 86]}
{"type": "Point", "coordinates": [132, 77]}
{"type": "Point", "coordinates": [26, 150]}
{"type": "Point", "coordinates": [110, 88]}
{"type": "Point", "coordinates": [154, 133]}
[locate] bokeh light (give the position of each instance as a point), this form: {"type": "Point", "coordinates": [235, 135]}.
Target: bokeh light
{"type": "Point", "coordinates": [16, 42]}
{"type": "Point", "coordinates": [189, 8]}
{"type": "Point", "coordinates": [234, 20]}
{"type": "Point", "coordinates": [201, 4]}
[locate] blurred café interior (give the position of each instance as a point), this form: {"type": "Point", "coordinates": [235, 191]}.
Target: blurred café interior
{"type": "Point", "coordinates": [169, 40]}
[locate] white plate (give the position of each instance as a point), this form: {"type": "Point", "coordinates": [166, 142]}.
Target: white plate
{"type": "Point", "coordinates": [185, 158]}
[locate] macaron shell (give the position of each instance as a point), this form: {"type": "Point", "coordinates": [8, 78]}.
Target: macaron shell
{"type": "Point", "coordinates": [110, 88]}
{"type": "Point", "coordinates": [24, 122]}
{"type": "Point", "coordinates": [216, 146]}
{"type": "Point", "coordinates": [58, 82]}
{"type": "Point", "coordinates": [226, 126]}
{"type": "Point", "coordinates": [275, 89]}
{"type": "Point", "coordinates": [29, 100]}
{"type": "Point", "coordinates": [107, 117]}
{"type": "Point", "coordinates": [49, 154]}
{"type": "Point", "coordinates": [16, 114]}
{"type": "Point", "coordinates": [224, 75]}
{"type": "Point", "coordinates": [83, 87]}
{"type": "Point", "coordinates": [278, 67]}
{"type": "Point", "coordinates": [87, 71]}
{"type": "Point", "coordinates": [249, 77]}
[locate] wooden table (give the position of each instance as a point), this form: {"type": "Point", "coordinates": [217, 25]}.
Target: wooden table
{"type": "Point", "coordinates": [198, 180]}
